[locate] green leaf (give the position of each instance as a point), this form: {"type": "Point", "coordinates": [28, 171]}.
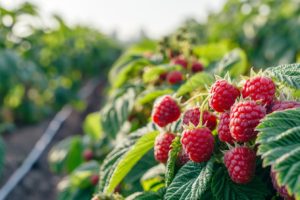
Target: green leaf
{"type": "Point", "coordinates": [197, 81]}
{"type": "Point", "coordinates": [224, 189]}
{"type": "Point", "coordinates": [129, 71]}
{"type": "Point", "coordinates": [279, 146]}
{"type": "Point", "coordinates": [66, 155]}
{"type": "Point", "coordinates": [173, 154]}
{"type": "Point", "coordinates": [92, 126]}
{"type": "Point", "coordinates": [235, 62]}
{"type": "Point", "coordinates": [115, 113]}
{"type": "Point", "coordinates": [288, 74]}
{"type": "Point", "coordinates": [153, 179]}
{"type": "Point", "coordinates": [149, 96]}
{"type": "Point", "coordinates": [191, 181]}
{"type": "Point", "coordinates": [142, 146]}
{"type": "Point", "coordinates": [124, 60]}
{"type": "Point", "coordinates": [212, 51]}
{"type": "Point", "coordinates": [124, 157]}
{"type": "Point", "coordinates": [152, 74]}
{"type": "Point", "coordinates": [80, 177]}
{"type": "Point", "coordinates": [159, 195]}
{"type": "Point", "coordinates": [67, 191]}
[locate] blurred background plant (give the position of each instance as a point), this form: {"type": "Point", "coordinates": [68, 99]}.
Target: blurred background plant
{"type": "Point", "coordinates": [41, 69]}
{"type": "Point", "coordinates": [268, 30]}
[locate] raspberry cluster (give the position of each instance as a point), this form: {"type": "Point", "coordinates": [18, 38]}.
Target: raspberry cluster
{"type": "Point", "coordinates": [238, 110]}
{"type": "Point", "coordinates": [176, 77]}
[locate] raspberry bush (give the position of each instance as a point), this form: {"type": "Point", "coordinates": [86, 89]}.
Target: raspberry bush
{"type": "Point", "coordinates": [197, 138]}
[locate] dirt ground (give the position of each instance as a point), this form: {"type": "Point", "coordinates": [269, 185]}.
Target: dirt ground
{"type": "Point", "coordinates": [40, 183]}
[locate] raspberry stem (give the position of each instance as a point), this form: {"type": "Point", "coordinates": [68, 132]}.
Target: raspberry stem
{"type": "Point", "coordinates": [193, 98]}
{"type": "Point", "coordinates": [202, 111]}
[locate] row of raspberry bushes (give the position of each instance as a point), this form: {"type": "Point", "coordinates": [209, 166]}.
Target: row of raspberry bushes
{"type": "Point", "coordinates": [42, 68]}
{"type": "Point", "coordinates": [128, 136]}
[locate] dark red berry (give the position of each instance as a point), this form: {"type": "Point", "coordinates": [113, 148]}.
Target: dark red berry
{"type": "Point", "coordinates": [223, 128]}
{"type": "Point", "coordinates": [183, 158]}
{"type": "Point", "coordinates": [197, 67]}
{"type": "Point", "coordinates": [193, 116]}
{"type": "Point", "coordinates": [88, 155]}
{"type": "Point", "coordinates": [244, 117]}
{"type": "Point", "coordinates": [282, 191]}
{"type": "Point", "coordinates": [163, 76]}
{"type": "Point", "coordinates": [180, 61]}
{"type": "Point", "coordinates": [94, 179]}
{"type": "Point", "coordinates": [198, 144]}
{"type": "Point", "coordinates": [165, 111]}
{"type": "Point", "coordinates": [240, 163]}
{"type": "Point", "coordinates": [260, 88]}
{"type": "Point", "coordinates": [174, 77]}
{"type": "Point", "coordinates": [284, 105]}
{"type": "Point", "coordinates": [163, 146]}
{"type": "Point", "coordinates": [223, 95]}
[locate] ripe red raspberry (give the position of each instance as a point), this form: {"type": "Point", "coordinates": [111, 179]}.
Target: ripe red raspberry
{"type": "Point", "coordinates": [88, 154]}
{"type": "Point", "coordinates": [198, 144]}
{"type": "Point", "coordinates": [244, 117]}
{"type": "Point", "coordinates": [223, 128]}
{"type": "Point", "coordinates": [223, 95]}
{"type": "Point", "coordinates": [163, 146]}
{"type": "Point", "coordinates": [281, 190]}
{"type": "Point", "coordinates": [165, 111]}
{"type": "Point", "coordinates": [94, 179]}
{"type": "Point", "coordinates": [260, 88]}
{"type": "Point", "coordinates": [193, 116]}
{"type": "Point", "coordinates": [240, 163]}
{"type": "Point", "coordinates": [197, 67]}
{"type": "Point", "coordinates": [174, 77]}
{"type": "Point", "coordinates": [283, 105]}
{"type": "Point", "coordinates": [180, 61]}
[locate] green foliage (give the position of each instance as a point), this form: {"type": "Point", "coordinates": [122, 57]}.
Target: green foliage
{"type": "Point", "coordinates": [130, 55]}
{"type": "Point", "coordinates": [43, 69]}
{"type": "Point", "coordinates": [288, 74]}
{"type": "Point", "coordinates": [153, 179]}
{"type": "Point", "coordinates": [115, 113]}
{"type": "Point", "coordinates": [67, 191]}
{"type": "Point", "coordinates": [212, 51]}
{"type": "Point", "coordinates": [267, 30]}
{"type": "Point", "coordinates": [66, 155]}
{"type": "Point", "coordinates": [149, 95]}
{"type": "Point", "coordinates": [234, 62]}
{"type": "Point", "coordinates": [191, 181]}
{"type": "Point", "coordinates": [151, 74]}
{"type": "Point", "coordinates": [223, 188]}
{"type": "Point", "coordinates": [92, 126]}
{"type": "Point", "coordinates": [147, 195]}
{"type": "Point", "coordinates": [130, 158]}
{"type": "Point", "coordinates": [279, 146]}
{"type": "Point", "coordinates": [121, 160]}
{"type": "Point", "coordinates": [171, 164]}
{"type": "Point", "coordinates": [197, 81]}
{"type": "Point", "coordinates": [80, 177]}
{"type": "Point", "coordinates": [129, 71]}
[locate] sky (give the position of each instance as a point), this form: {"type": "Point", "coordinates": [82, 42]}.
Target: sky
{"type": "Point", "coordinates": [127, 17]}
